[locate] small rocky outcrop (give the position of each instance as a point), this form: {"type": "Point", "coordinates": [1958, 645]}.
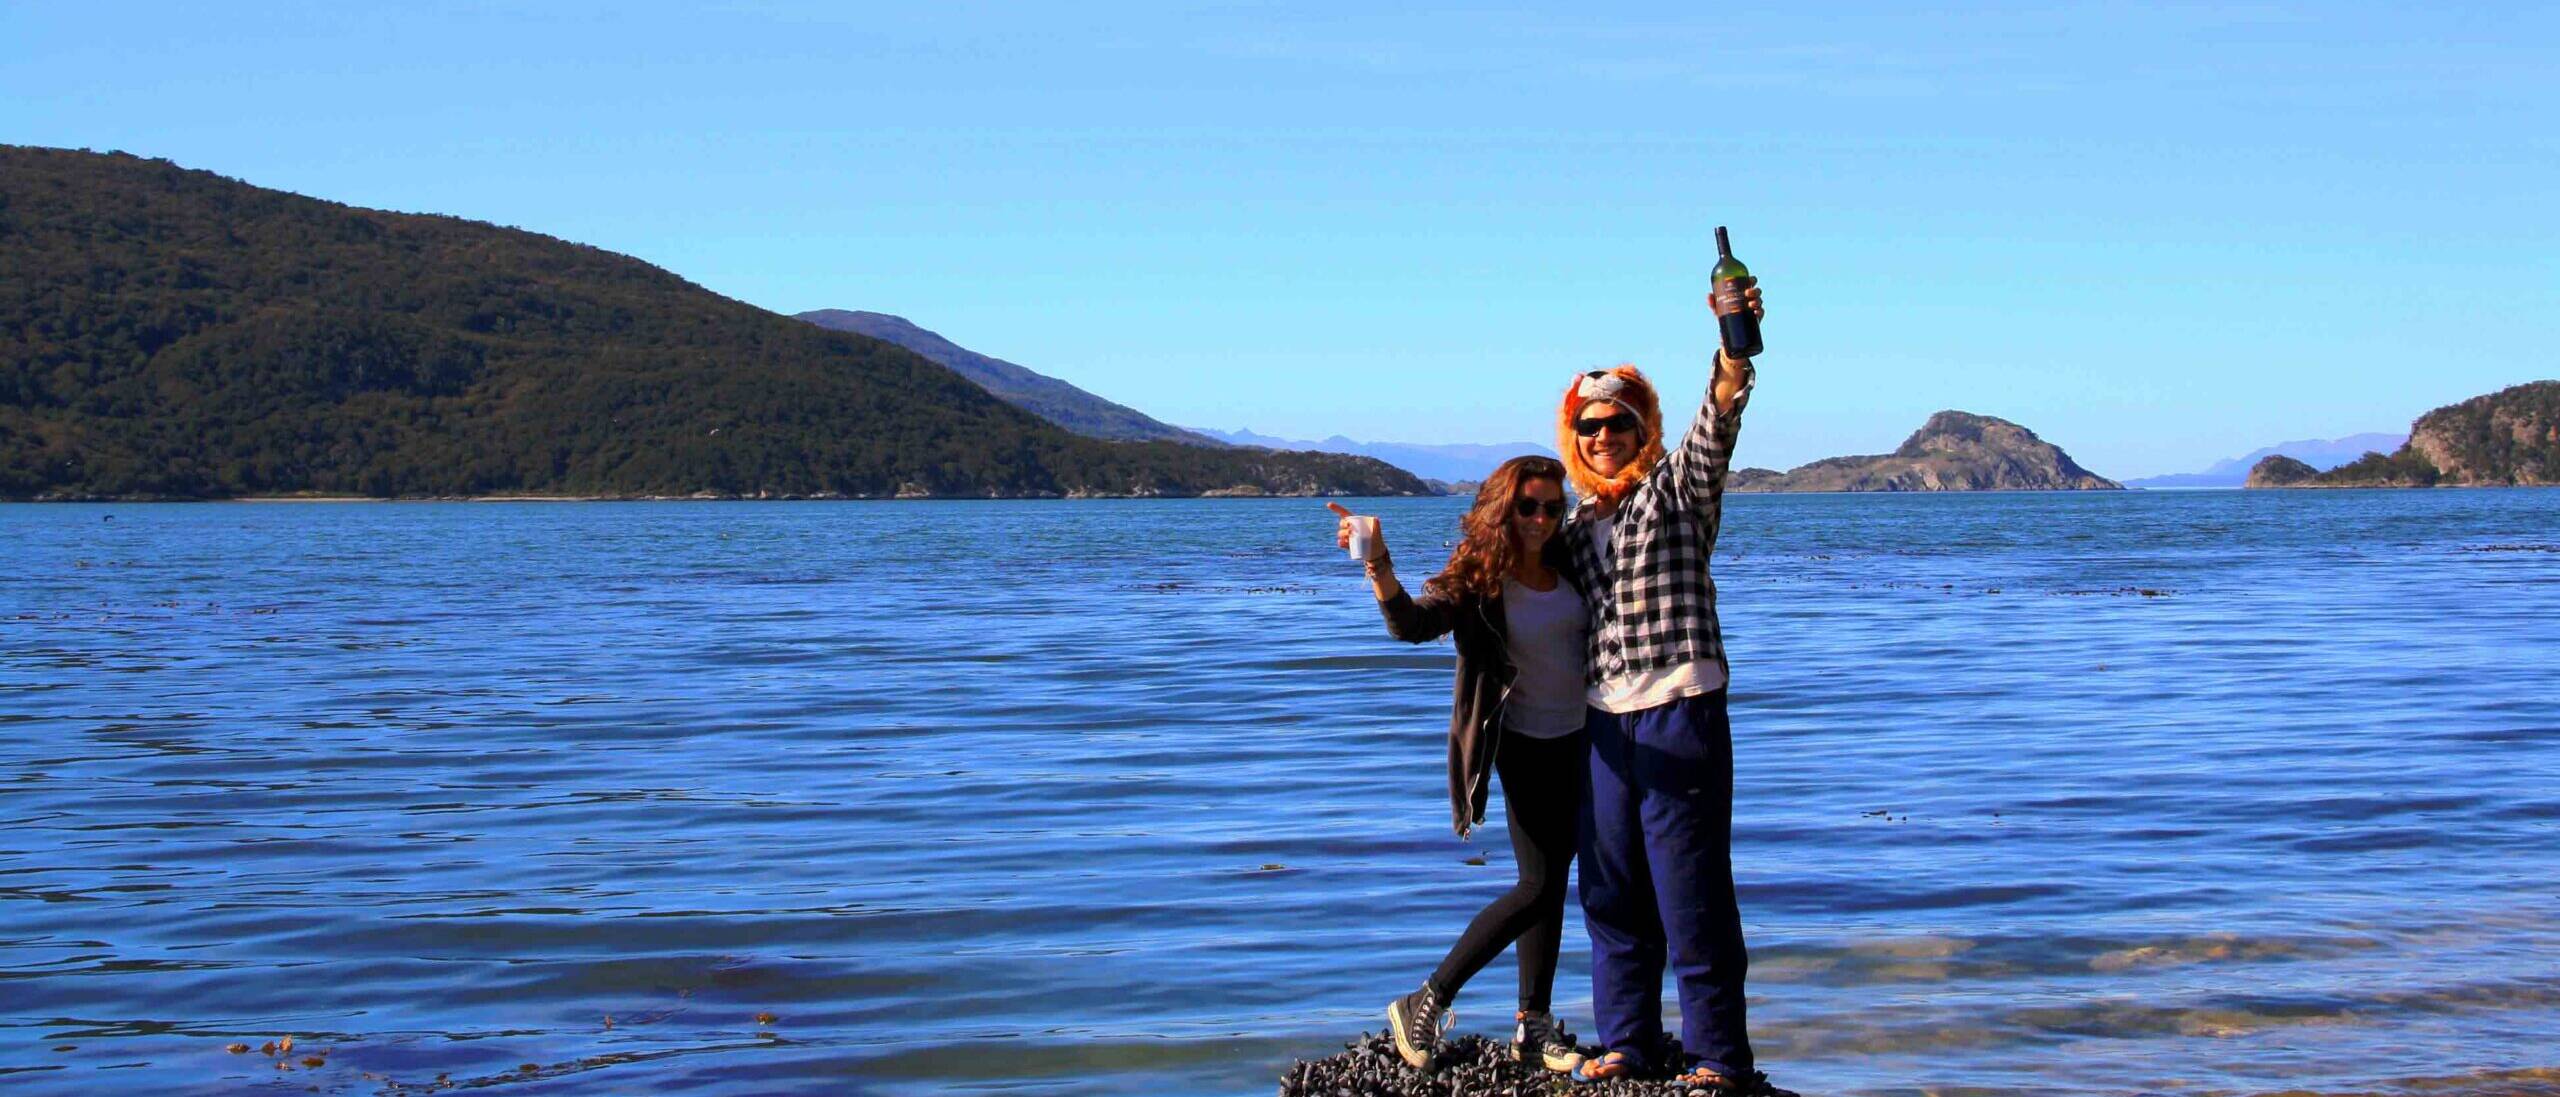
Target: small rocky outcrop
{"type": "Point", "coordinates": [2279, 471]}
{"type": "Point", "coordinates": [1752, 479]}
{"type": "Point", "coordinates": [1954, 451]}
{"type": "Point", "coordinates": [1468, 1066]}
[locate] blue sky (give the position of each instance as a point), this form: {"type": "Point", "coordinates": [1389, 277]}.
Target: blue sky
{"type": "Point", "coordinates": [2158, 234]}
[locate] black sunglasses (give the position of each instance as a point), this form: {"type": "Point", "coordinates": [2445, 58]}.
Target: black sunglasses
{"type": "Point", "coordinates": [1624, 422]}
{"type": "Point", "coordinates": [1525, 507]}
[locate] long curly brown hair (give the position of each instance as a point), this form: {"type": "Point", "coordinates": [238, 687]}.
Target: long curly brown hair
{"type": "Point", "coordinates": [1487, 550]}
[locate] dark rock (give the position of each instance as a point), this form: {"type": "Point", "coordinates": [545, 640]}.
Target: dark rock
{"type": "Point", "coordinates": [1467, 1066]}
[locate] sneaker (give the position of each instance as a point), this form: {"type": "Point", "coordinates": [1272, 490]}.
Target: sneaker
{"type": "Point", "coordinates": [1540, 1038]}
{"type": "Point", "coordinates": [1416, 1021]}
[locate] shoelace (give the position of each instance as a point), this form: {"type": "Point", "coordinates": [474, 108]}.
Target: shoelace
{"type": "Point", "coordinates": [1445, 1017]}
{"type": "Point", "coordinates": [1545, 1031]}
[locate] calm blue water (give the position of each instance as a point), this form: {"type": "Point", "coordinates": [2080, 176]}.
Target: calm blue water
{"type": "Point", "coordinates": [2083, 793]}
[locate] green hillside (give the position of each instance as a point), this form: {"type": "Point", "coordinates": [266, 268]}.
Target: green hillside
{"type": "Point", "coordinates": [172, 333]}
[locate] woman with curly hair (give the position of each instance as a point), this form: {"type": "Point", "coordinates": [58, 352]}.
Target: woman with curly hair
{"type": "Point", "coordinates": [1518, 715]}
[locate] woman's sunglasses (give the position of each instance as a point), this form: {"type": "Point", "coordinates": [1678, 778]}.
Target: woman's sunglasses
{"type": "Point", "coordinates": [1529, 508]}
{"type": "Point", "coordinates": [1624, 422]}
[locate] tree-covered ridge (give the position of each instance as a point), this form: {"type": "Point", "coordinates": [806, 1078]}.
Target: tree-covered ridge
{"type": "Point", "coordinates": [1038, 393]}
{"type": "Point", "coordinates": [2404, 468]}
{"type": "Point", "coordinates": [167, 332]}
{"type": "Point", "coordinates": [2508, 437]}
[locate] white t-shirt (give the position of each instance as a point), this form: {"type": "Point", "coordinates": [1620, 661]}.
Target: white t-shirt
{"type": "Point", "coordinates": [1548, 633]}
{"type": "Point", "coordinates": [1647, 688]}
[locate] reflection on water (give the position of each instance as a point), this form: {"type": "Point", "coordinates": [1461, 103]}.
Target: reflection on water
{"type": "Point", "coordinates": [2211, 793]}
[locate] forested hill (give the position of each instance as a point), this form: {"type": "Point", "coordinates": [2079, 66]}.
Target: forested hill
{"type": "Point", "coordinates": [172, 333]}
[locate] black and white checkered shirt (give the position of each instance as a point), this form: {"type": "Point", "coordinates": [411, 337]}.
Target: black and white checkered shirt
{"type": "Point", "coordinates": [1657, 606]}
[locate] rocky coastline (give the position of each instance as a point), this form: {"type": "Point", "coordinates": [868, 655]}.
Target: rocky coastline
{"type": "Point", "coordinates": [1241, 491]}
{"type": "Point", "coordinates": [2508, 438]}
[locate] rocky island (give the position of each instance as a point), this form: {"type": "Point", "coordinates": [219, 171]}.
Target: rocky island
{"type": "Point", "coordinates": [2507, 438]}
{"type": "Point", "coordinates": [2279, 471]}
{"type": "Point", "coordinates": [1954, 451]}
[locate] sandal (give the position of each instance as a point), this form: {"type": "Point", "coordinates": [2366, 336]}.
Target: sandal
{"type": "Point", "coordinates": [1616, 1064]}
{"type": "Point", "coordinates": [1750, 1083]}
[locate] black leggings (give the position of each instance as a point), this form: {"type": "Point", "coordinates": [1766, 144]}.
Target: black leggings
{"type": "Point", "coordinates": [1543, 783]}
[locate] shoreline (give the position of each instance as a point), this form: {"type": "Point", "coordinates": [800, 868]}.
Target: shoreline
{"type": "Point", "coordinates": [128, 500]}
{"type": "Point", "coordinates": [831, 497]}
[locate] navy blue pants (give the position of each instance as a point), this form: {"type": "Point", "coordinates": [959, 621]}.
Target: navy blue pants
{"type": "Point", "coordinates": [1657, 881]}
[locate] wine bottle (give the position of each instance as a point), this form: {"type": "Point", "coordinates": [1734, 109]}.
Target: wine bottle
{"type": "Point", "coordinates": [1739, 329]}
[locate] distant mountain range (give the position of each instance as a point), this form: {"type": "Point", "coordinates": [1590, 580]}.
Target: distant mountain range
{"type": "Point", "coordinates": [167, 333]}
{"type": "Point", "coordinates": [2510, 437]}
{"type": "Point", "coordinates": [1452, 463]}
{"type": "Point", "coordinates": [1037, 393]}
{"type": "Point", "coordinates": [1953, 451]}
{"type": "Point", "coordinates": [2318, 453]}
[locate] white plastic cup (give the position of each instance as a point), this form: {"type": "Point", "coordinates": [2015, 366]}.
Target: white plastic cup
{"type": "Point", "coordinates": [1364, 537]}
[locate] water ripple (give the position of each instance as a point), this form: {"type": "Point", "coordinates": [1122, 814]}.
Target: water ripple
{"type": "Point", "coordinates": [2204, 793]}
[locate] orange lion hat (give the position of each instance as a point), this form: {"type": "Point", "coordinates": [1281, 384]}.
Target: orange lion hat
{"type": "Point", "coordinates": [1626, 387]}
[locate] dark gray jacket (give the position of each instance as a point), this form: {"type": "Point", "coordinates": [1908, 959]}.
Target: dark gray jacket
{"type": "Point", "coordinates": [1483, 681]}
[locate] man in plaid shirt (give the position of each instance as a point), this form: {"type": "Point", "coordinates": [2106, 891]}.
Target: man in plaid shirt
{"type": "Point", "coordinates": [1657, 871]}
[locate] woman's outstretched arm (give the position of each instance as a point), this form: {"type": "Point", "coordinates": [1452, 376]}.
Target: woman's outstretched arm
{"type": "Point", "coordinates": [1408, 619]}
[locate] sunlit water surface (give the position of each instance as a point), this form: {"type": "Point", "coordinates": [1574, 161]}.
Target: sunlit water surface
{"type": "Point", "coordinates": [2039, 794]}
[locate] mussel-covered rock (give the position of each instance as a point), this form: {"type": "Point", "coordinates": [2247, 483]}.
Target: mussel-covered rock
{"type": "Point", "coordinates": [1467, 1066]}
